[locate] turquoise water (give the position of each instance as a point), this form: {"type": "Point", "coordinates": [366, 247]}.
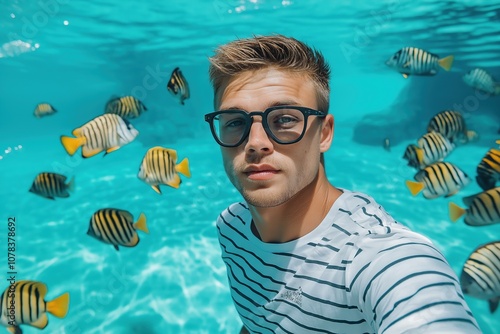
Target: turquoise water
{"type": "Point", "coordinates": [75, 55]}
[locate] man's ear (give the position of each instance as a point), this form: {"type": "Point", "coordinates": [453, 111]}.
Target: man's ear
{"type": "Point", "coordinates": [327, 131]}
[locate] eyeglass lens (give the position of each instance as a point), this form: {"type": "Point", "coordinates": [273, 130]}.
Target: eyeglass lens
{"type": "Point", "coordinates": [286, 125]}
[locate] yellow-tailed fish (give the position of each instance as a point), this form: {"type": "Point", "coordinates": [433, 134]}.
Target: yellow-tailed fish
{"type": "Point", "coordinates": [449, 123]}
{"type": "Point", "coordinates": [482, 80]}
{"type": "Point", "coordinates": [178, 86]}
{"type": "Point", "coordinates": [480, 277]}
{"type": "Point", "coordinates": [23, 303]}
{"type": "Point", "coordinates": [159, 167]}
{"type": "Point", "coordinates": [438, 179]}
{"type": "Point", "coordinates": [431, 147]}
{"type": "Point", "coordinates": [127, 107]}
{"type": "Point", "coordinates": [488, 170]}
{"type": "Point", "coordinates": [116, 227]}
{"type": "Point", "coordinates": [50, 185]}
{"type": "Point", "coordinates": [482, 208]}
{"type": "Point", "coordinates": [107, 132]}
{"type": "Point", "coordinates": [44, 109]}
{"type": "Point", "coordinates": [414, 61]}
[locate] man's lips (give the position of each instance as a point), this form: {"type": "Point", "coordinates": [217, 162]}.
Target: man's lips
{"type": "Point", "coordinates": [260, 172]}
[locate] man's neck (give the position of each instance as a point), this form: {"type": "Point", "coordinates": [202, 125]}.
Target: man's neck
{"type": "Point", "coordinates": [298, 216]}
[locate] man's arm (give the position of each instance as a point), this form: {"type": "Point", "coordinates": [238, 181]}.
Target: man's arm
{"type": "Point", "coordinates": [403, 284]}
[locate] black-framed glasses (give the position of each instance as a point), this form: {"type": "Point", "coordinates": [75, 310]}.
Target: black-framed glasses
{"type": "Point", "coordinates": [284, 124]}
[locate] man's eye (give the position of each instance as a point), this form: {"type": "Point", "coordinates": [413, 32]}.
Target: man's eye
{"type": "Point", "coordinates": [235, 123]}
{"type": "Point", "coordinates": [285, 119]}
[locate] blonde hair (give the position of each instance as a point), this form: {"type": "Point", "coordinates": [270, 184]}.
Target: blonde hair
{"type": "Point", "coordinates": [278, 51]}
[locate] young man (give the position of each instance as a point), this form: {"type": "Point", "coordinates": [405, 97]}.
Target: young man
{"type": "Point", "coordinates": [301, 255]}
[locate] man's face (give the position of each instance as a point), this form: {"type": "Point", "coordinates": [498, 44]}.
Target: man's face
{"type": "Point", "coordinates": [268, 174]}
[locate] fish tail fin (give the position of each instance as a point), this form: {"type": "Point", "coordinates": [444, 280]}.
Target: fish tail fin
{"type": "Point", "coordinates": [140, 224]}
{"type": "Point", "coordinates": [71, 184]}
{"type": "Point", "coordinates": [183, 167]}
{"type": "Point", "coordinates": [414, 187]}
{"type": "Point", "coordinates": [455, 211]}
{"type": "Point", "coordinates": [446, 62]}
{"type": "Point", "coordinates": [59, 306]}
{"type": "Point", "coordinates": [71, 145]}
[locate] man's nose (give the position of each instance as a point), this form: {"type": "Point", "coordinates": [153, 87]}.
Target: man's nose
{"type": "Point", "coordinates": [258, 139]}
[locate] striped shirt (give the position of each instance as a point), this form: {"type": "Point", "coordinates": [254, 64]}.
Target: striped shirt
{"type": "Point", "coordinates": [359, 271]}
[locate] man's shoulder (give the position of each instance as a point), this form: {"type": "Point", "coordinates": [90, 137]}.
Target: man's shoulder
{"type": "Point", "coordinates": [237, 212]}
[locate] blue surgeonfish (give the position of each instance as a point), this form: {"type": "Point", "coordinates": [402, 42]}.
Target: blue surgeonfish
{"type": "Point", "coordinates": [159, 166]}
{"type": "Point", "coordinates": [438, 179]}
{"type": "Point", "coordinates": [50, 185]}
{"type": "Point", "coordinates": [414, 61]}
{"type": "Point", "coordinates": [482, 208]}
{"type": "Point", "coordinates": [23, 303]}
{"type": "Point", "coordinates": [178, 86]}
{"type": "Point", "coordinates": [480, 277]}
{"type": "Point", "coordinates": [126, 107]}
{"type": "Point", "coordinates": [107, 132]}
{"type": "Point", "coordinates": [480, 79]}
{"type": "Point", "coordinates": [116, 227]}
{"type": "Point", "coordinates": [44, 109]}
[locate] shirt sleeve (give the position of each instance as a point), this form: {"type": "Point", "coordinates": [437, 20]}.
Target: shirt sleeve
{"type": "Point", "coordinates": [403, 284]}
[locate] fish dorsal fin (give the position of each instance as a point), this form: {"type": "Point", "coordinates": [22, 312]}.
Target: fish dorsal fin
{"type": "Point", "coordinates": [59, 306]}
{"type": "Point", "coordinates": [183, 167]}
{"type": "Point", "coordinates": [128, 216]}
{"type": "Point", "coordinates": [415, 187]}
{"type": "Point", "coordinates": [77, 132]}
{"type": "Point", "coordinates": [446, 62]}
{"type": "Point", "coordinates": [156, 187]}
{"type": "Point", "coordinates": [172, 153]}
{"type": "Point", "coordinates": [140, 224]}
{"type": "Point", "coordinates": [469, 199]}
{"type": "Point", "coordinates": [42, 288]}
{"type": "Point", "coordinates": [41, 322]}
{"type": "Point", "coordinates": [455, 211]}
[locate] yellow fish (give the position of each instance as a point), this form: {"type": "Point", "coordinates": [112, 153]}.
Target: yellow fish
{"type": "Point", "coordinates": [159, 167]}
{"type": "Point", "coordinates": [126, 107]}
{"type": "Point", "coordinates": [44, 109]}
{"type": "Point", "coordinates": [23, 303]}
{"type": "Point", "coordinates": [178, 85]}
{"type": "Point", "coordinates": [50, 185]}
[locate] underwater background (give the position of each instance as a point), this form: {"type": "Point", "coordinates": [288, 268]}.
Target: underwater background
{"type": "Point", "coordinates": [76, 54]}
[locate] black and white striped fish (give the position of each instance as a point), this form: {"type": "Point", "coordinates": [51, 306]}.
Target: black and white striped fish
{"type": "Point", "coordinates": [449, 123]}
{"type": "Point", "coordinates": [107, 132]}
{"type": "Point", "coordinates": [50, 185]}
{"type": "Point", "coordinates": [44, 109]}
{"type": "Point", "coordinates": [126, 107]}
{"type": "Point", "coordinates": [438, 179]}
{"type": "Point", "coordinates": [482, 80]}
{"type": "Point", "coordinates": [23, 303]}
{"type": "Point", "coordinates": [480, 277]}
{"type": "Point", "coordinates": [159, 167]}
{"type": "Point", "coordinates": [431, 147]}
{"type": "Point", "coordinates": [482, 208]}
{"type": "Point", "coordinates": [488, 170]}
{"type": "Point", "coordinates": [116, 227]}
{"type": "Point", "coordinates": [410, 60]}
{"type": "Point", "coordinates": [178, 86]}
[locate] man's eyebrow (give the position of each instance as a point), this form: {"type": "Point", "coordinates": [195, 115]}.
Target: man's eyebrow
{"type": "Point", "coordinates": [274, 104]}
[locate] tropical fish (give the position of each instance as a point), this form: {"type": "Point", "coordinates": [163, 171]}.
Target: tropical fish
{"type": "Point", "coordinates": [107, 132]}
{"type": "Point", "coordinates": [449, 123]}
{"type": "Point", "coordinates": [116, 227]}
{"type": "Point", "coordinates": [488, 170]}
{"type": "Point", "coordinates": [126, 107]}
{"type": "Point", "coordinates": [159, 167]}
{"type": "Point", "coordinates": [438, 179]}
{"type": "Point", "coordinates": [410, 60]}
{"type": "Point", "coordinates": [50, 185]}
{"type": "Point", "coordinates": [482, 80]}
{"type": "Point", "coordinates": [178, 85]}
{"type": "Point", "coordinates": [431, 147]}
{"type": "Point", "coordinates": [483, 208]}
{"type": "Point", "coordinates": [386, 144]}
{"type": "Point", "coordinates": [23, 303]}
{"type": "Point", "coordinates": [480, 277]}
{"type": "Point", "coordinates": [44, 109]}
